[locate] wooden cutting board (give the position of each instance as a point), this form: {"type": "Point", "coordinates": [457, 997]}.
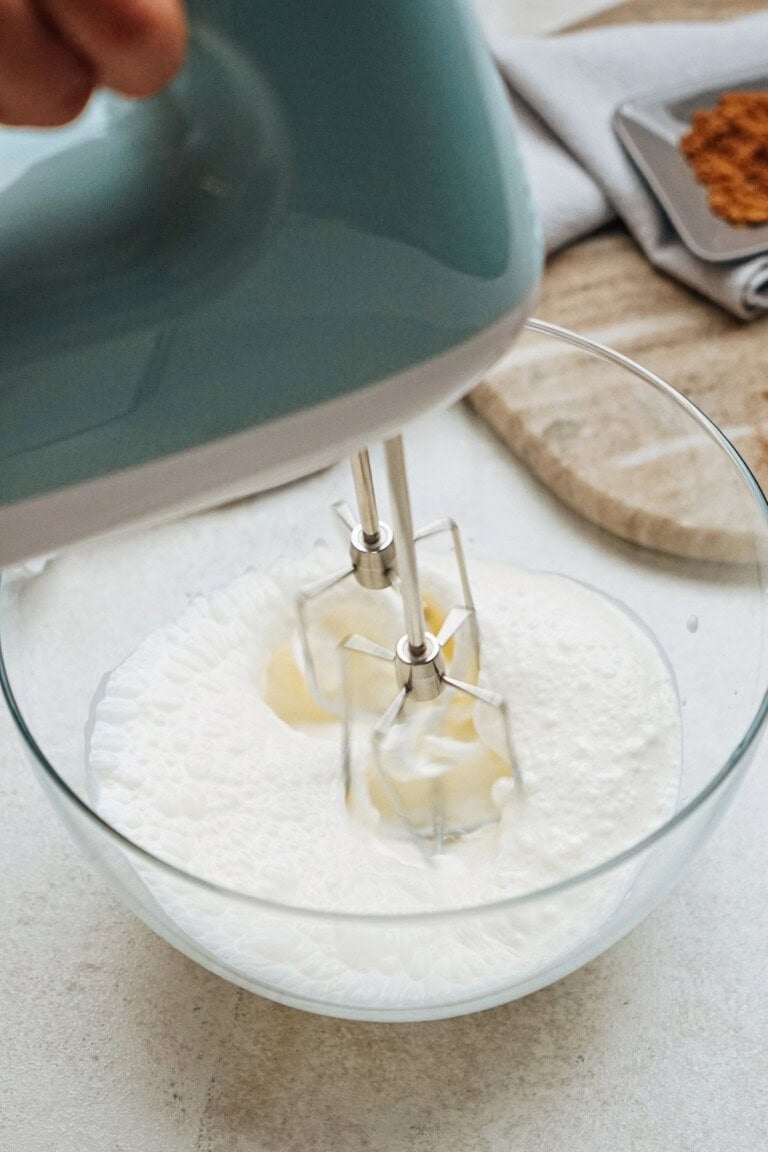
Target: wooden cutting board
{"type": "Point", "coordinates": [605, 289]}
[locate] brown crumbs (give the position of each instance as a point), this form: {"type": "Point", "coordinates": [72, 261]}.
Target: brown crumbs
{"type": "Point", "coordinates": [728, 149]}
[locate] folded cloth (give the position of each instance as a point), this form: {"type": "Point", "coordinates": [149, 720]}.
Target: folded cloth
{"type": "Point", "coordinates": [566, 90]}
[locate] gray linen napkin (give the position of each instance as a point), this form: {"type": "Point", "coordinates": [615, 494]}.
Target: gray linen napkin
{"type": "Point", "coordinates": [567, 89]}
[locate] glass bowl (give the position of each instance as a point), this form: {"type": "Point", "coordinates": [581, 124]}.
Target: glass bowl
{"type": "Point", "coordinates": [67, 623]}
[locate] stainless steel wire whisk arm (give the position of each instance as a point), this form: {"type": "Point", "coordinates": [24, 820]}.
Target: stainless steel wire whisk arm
{"type": "Point", "coordinates": [406, 551]}
{"type": "Point", "coordinates": [371, 562]}
{"type": "Point", "coordinates": [419, 659]}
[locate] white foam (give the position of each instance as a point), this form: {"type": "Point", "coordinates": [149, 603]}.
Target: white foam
{"type": "Point", "coordinates": [189, 760]}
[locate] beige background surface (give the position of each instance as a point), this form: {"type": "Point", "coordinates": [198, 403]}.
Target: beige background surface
{"type": "Point", "coordinates": [113, 1042]}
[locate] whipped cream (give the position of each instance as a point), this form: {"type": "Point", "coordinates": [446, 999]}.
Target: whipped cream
{"type": "Point", "coordinates": [208, 749]}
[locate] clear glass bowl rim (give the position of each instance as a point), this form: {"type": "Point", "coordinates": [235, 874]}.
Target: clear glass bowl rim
{"type": "Point", "coordinates": [679, 817]}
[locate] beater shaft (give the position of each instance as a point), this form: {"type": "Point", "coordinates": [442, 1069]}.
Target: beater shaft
{"type": "Point", "coordinates": [366, 496]}
{"type": "Point", "coordinates": [404, 546]}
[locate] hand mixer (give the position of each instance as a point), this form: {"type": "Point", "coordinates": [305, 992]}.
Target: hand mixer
{"type": "Point", "coordinates": [319, 231]}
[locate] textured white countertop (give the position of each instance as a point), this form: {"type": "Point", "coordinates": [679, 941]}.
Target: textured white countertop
{"type": "Point", "coordinates": [114, 1042]}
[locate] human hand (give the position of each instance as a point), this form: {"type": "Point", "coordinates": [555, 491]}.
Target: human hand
{"type": "Point", "coordinates": [53, 53]}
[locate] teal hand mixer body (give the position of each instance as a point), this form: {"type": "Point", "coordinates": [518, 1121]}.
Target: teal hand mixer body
{"type": "Point", "coordinates": [319, 231]}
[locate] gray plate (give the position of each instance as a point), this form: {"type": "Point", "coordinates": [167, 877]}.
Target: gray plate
{"type": "Point", "coordinates": [651, 129]}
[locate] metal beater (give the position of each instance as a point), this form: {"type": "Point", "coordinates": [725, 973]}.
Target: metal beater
{"type": "Point", "coordinates": [383, 557]}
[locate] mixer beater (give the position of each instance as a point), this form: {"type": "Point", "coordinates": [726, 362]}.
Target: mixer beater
{"type": "Point", "coordinates": [383, 557]}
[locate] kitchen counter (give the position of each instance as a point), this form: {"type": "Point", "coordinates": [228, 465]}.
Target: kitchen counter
{"type": "Point", "coordinates": [114, 1042]}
